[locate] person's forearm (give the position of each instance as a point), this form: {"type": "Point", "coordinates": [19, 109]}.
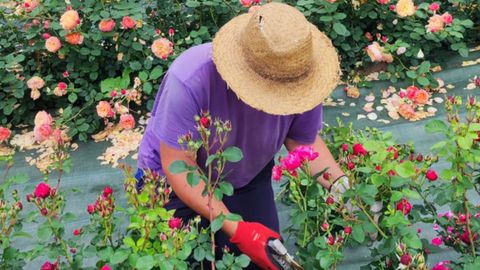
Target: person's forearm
{"type": "Point", "coordinates": [325, 160]}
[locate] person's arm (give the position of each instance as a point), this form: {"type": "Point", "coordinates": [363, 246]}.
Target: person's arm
{"type": "Point", "coordinates": [192, 196]}
{"type": "Point", "coordinates": [325, 160]}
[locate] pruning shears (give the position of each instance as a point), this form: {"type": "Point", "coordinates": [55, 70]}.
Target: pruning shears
{"type": "Point", "coordinates": [281, 256]}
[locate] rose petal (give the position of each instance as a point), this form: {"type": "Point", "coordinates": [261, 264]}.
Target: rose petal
{"type": "Point", "coordinates": [372, 116]}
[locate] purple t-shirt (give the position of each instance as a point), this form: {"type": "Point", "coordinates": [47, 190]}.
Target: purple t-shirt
{"type": "Point", "coordinates": [192, 84]}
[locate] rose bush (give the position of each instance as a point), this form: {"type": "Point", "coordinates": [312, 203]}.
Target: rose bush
{"type": "Point", "coordinates": [72, 56]}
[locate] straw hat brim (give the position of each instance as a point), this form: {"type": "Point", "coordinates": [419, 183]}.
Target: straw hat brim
{"type": "Point", "coordinates": [272, 96]}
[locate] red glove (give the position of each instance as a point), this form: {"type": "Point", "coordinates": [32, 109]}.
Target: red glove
{"type": "Point", "coordinates": [252, 238]}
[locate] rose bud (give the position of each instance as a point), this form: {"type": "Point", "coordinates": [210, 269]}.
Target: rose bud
{"type": "Point", "coordinates": [477, 81]}
{"type": "Point", "coordinates": [19, 205]}
{"type": "Point", "coordinates": [347, 230]}
{"type": "Point", "coordinates": [175, 223]}
{"type": "Point", "coordinates": [123, 91]}
{"type": "Point", "coordinates": [73, 250]}
{"type": "Point", "coordinates": [90, 208]}
{"type": "Point", "coordinates": [327, 176]}
{"type": "Point", "coordinates": [350, 165]}
{"type": "Point", "coordinates": [107, 191]}
{"type": "Point", "coordinates": [325, 226]}
{"type": "Point", "coordinates": [330, 200]}
{"type": "Point", "coordinates": [420, 158]}
{"type": "Point", "coordinates": [44, 211]}
{"type": "Point", "coordinates": [345, 147]}
{"type": "Point", "coordinates": [391, 173]}
{"type": "Point", "coordinates": [205, 122]}
{"type": "Point", "coordinates": [77, 232]}
{"type": "Point", "coordinates": [404, 206]}
{"type": "Point", "coordinates": [30, 197]}
{"type": "Point", "coordinates": [406, 259]}
{"type": "Point", "coordinates": [378, 168]}
{"type": "Point", "coordinates": [331, 240]}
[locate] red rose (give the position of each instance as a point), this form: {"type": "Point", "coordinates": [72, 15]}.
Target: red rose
{"type": "Point", "coordinates": [175, 223]}
{"type": "Point", "coordinates": [47, 266]}
{"type": "Point", "coordinates": [391, 173]}
{"type": "Point", "coordinates": [406, 259]}
{"type": "Point", "coordinates": [359, 150]}
{"type": "Point", "coordinates": [42, 190]}
{"type": "Point", "coordinates": [91, 209]}
{"type": "Point", "coordinates": [345, 147]}
{"type": "Point", "coordinates": [107, 191]}
{"type": "Point", "coordinates": [347, 230]}
{"type": "Point", "coordinates": [378, 168]}
{"type": "Point", "coordinates": [205, 122]}
{"type": "Point", "coordinates": [404, 206]}
{"type": "Point", "coordinates": [466, 238]}
{"type": "Point", "coordinates": [77, 232]}
{"type": "Point", "coordinates": [419, 157]}
{"type": "Point", "coordinates": [431, 175]}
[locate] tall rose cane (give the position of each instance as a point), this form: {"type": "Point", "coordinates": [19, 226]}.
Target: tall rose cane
{"type": "Point", "coordinates": [213, 136]}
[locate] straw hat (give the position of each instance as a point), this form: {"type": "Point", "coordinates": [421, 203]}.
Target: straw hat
{"type": "Point", "coordinates": [276, 61]}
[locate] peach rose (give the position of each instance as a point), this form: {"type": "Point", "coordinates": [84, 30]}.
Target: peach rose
{"type": "Point", "coordinates": [375, 51]}
{"type": "Point", "coordinates": [128, 22]}
{"type": "Point", "coordinates": [447, 18]}
{"type": "Point", "coordinates": [104, 109]}
{"type": "Point", "coordinates": [53, 44]}
{"type": "Point", "coordinates": [106, 25]}
{"type": "Point", "coordinates": [43, 118]}
{"type": "Point", "coordinates": [162, 48]}
{"type": "Point", "coordinates": [35, 94]}
{"type": "Point", "coordinates": [74, 38]}
{"type": "Point", "coordinates": [421, 97]}
{"type": "Point", "coordinates": [435, 24]}
{"type": "Point", "coordinates": [4, 134]}
{"type": "Point", "coordinates": [406, 111]}
{"type": "Point", "coordinates": [42, 132]}
{"type": "Point", "coordinates": [70, 19]}
{"type": "Point", "coordinates": [57, 91]}
{"type": "Point", "coordinates": [35, 82]}
{"type": "Point", "coordinates": [127, 121]}
{"type": "Point", "coordinates": [405, 8]}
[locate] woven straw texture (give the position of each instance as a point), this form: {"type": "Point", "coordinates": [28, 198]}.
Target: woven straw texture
{"type": "Point", "coordinates": [276, 61]}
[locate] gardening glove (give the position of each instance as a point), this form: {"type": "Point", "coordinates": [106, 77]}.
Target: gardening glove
{"type": "Point", "coordinates": [252, 239]}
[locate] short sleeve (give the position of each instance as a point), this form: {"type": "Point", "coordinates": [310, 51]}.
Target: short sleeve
{"type": "Point", "coordinates": [175, 112]}
{"type": "Point", "coordinates": [305, 126]}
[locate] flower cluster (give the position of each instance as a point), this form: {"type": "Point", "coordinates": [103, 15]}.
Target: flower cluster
{"type": "Point", "coordinates": [104, 205]}
{"type": "Point", "coordinates": [377, 53]}
{"type": "Point", "coordinates": [46, 199]}
{"type": "Point", "coordinates": [294, 160]}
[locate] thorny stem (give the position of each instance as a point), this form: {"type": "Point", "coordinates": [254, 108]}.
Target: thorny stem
{"type": "Point", "coordinates": [432, 207]}
{"type": "Point", "coordinates": [58, 238]}
{"type": "Point", "coordinates": [362, 207]}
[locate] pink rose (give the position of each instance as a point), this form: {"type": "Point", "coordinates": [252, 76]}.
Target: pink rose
{"type": "Point", "coordinates": [175, 223]}
{"type": "Point", "coordinates": [411, 91]}
{"type": "Point", "coordinates": [291, 162]}
{"type": "Point", "coordinates": [43, 118]}
{"type": "Point", "coordinates": [106, 25]}
{"type": "Point", "coordinates": [437, 241]}
{"type": "Point", "coordinates": [4, 133]}
{"type": "Point", "coordinates": [306, 153]}
{"type": "Point", "coordinates": [48, 266]}
{"type": "Point", "coordinates": [466, 238]}
{"type": "Point", "coordinates": [127, 121]}
{"type": "Point", "coordinates": [277, 173]}
{"type": "Point", "coordinates": [447, 18]}
{"type": "Point", "coordinates": [42, 190]}
{"type": "Point", "coordinates": [70, 19]}
{"type": "Point", "coordinates": [162, 48]}
{"type": "Point", "coordinates": [383, 2]}
{"type": "Point", "coordinates": [246, 3]}
{"type": "Point", "coordinates": [128, 23]}
{"type": "Point", "coordinates": [104, 109]}
{"type": "Point", "coordinates": [441, 266]}
{"type": "Point", "coordinates": [348, 230]}
{"type": "Point", "coordinates": [62, 86]}
{"type": "Point", "coordinates": [53, 44]}
{"type": "Point", "coordinates": [105, 267]}
{"type": "Point", "coordinates": [431, 175]}
{"type": "Point", "coordinates": [434, 6]}
{"type": "Point", "coordinates": [35, 82]}
{"type": "Point", "coordinates": [42, 132]}
{"type": "Point", "coordinates": [404, 206]}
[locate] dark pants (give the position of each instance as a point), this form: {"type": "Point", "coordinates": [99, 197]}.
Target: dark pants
{"type": "Point", "coordinates": [254, 202]}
